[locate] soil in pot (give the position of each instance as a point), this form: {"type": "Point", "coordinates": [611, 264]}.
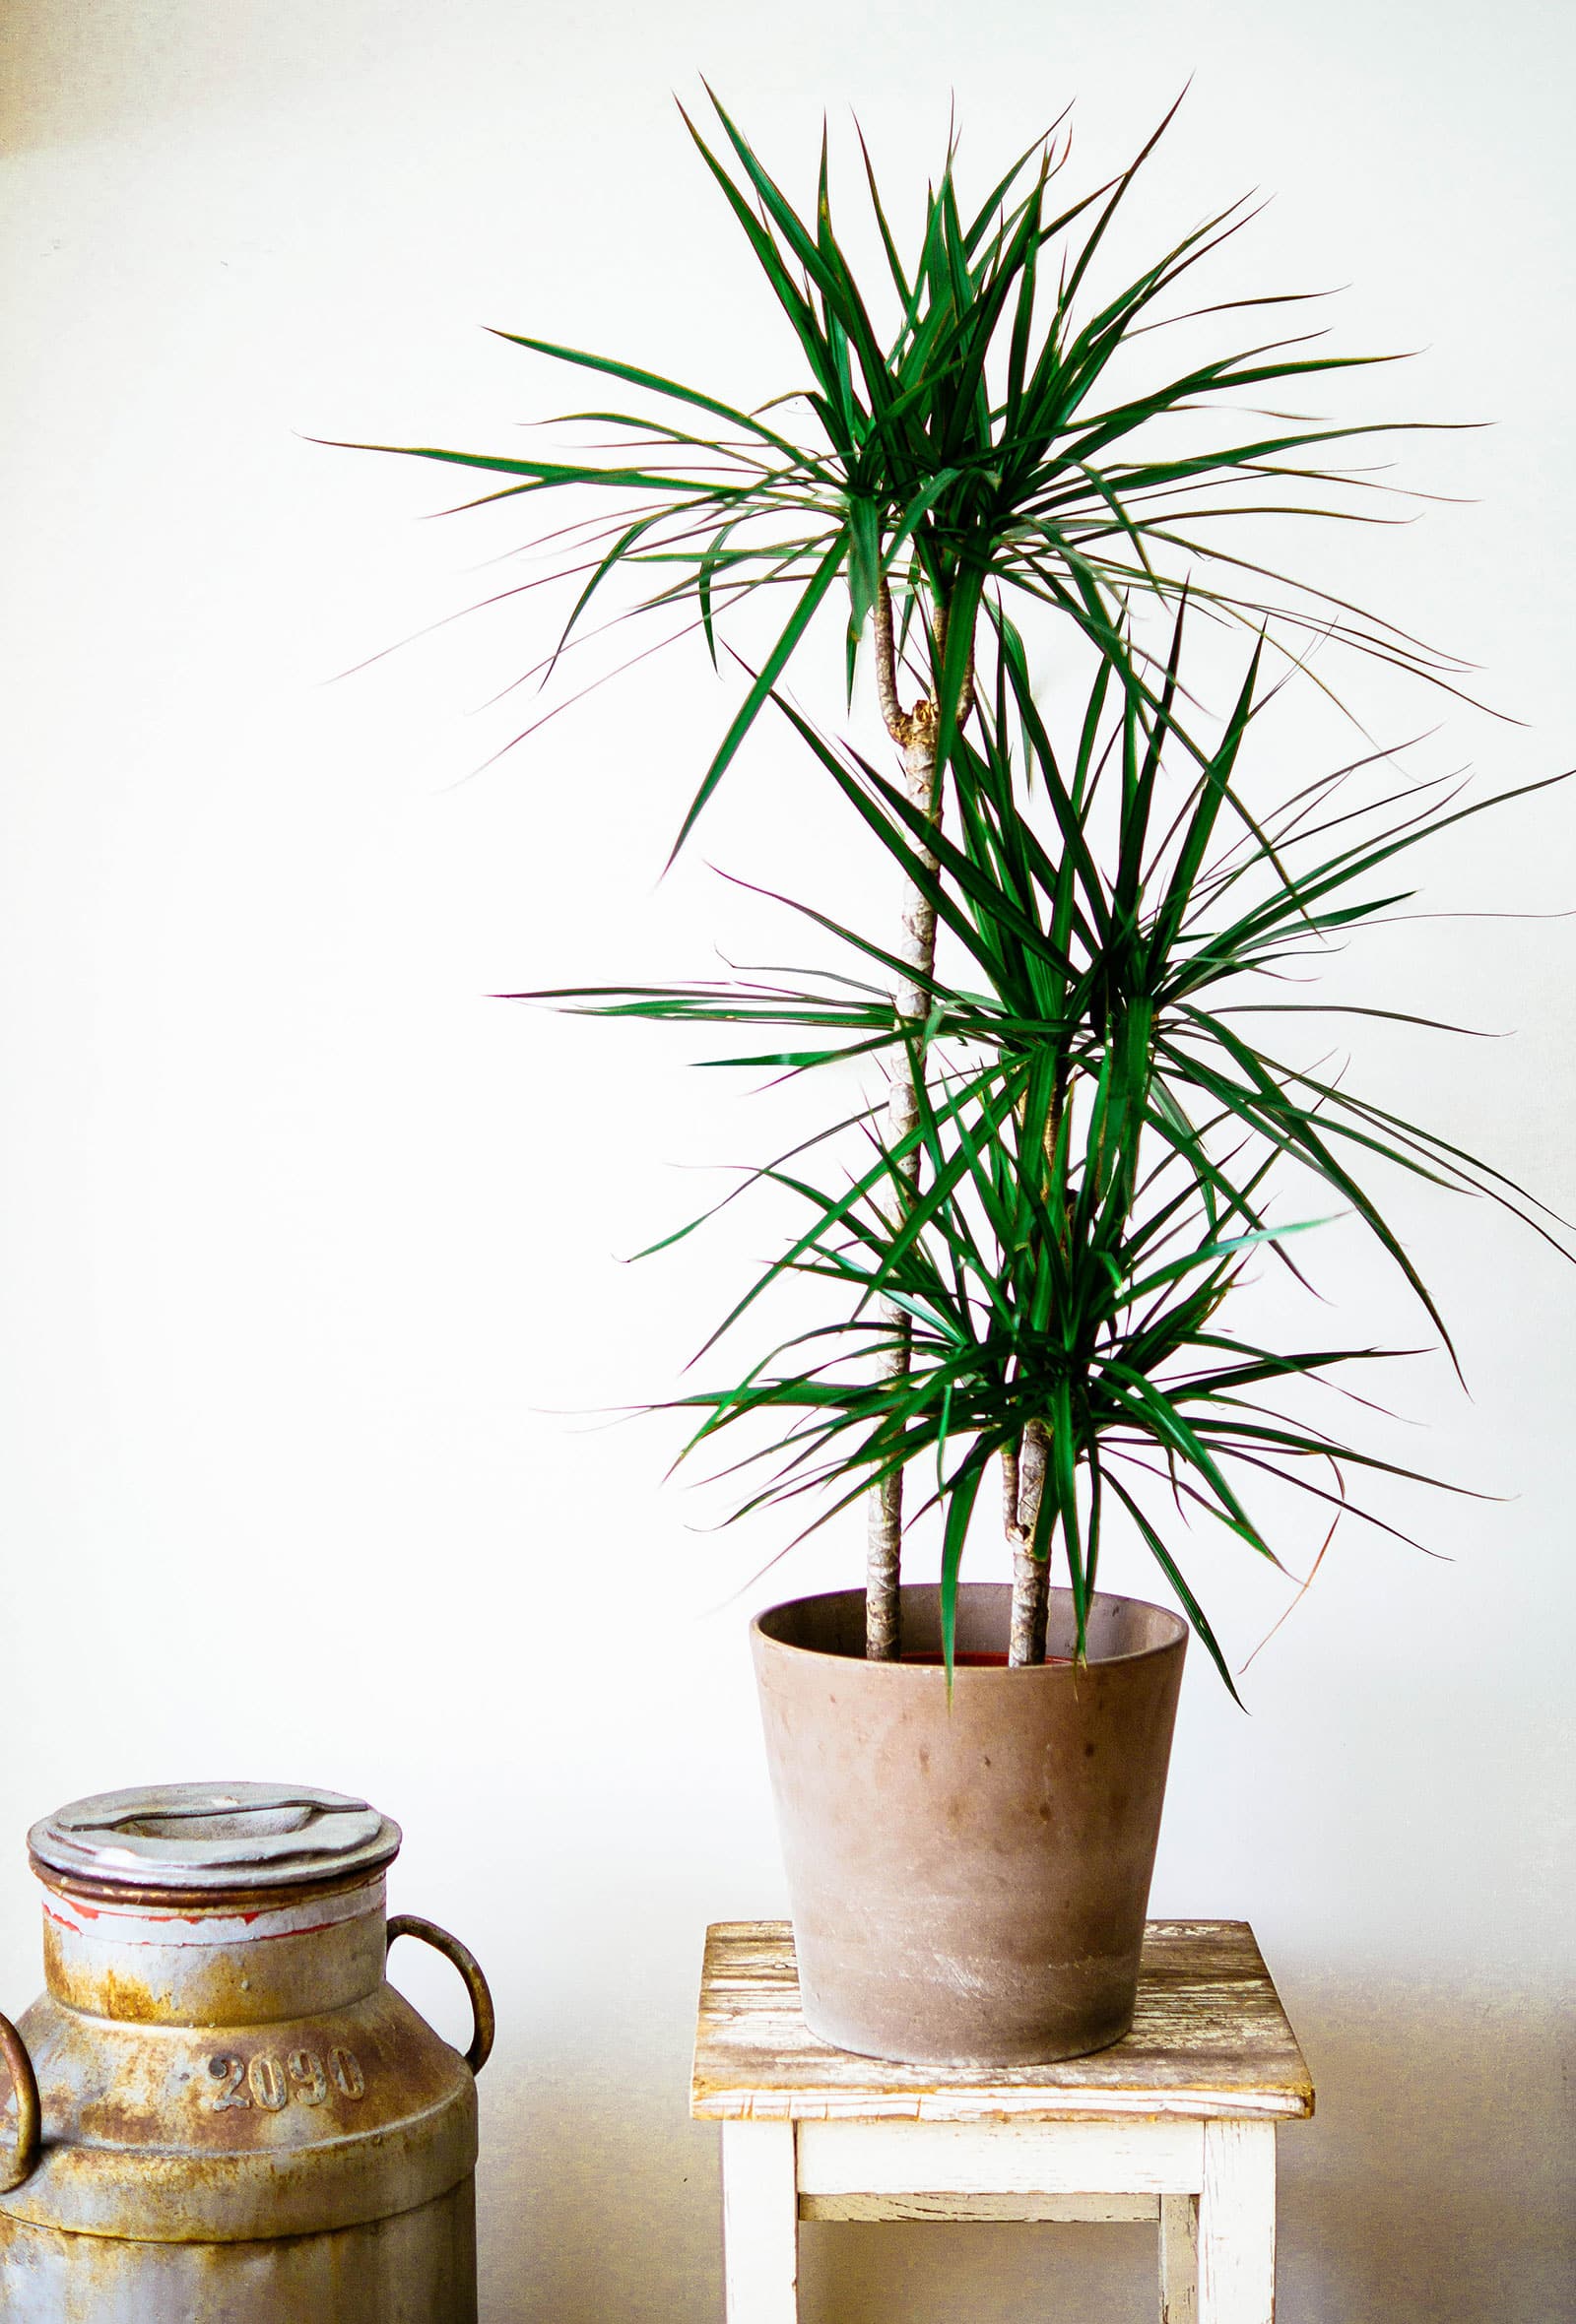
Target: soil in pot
{"type": "Point", "coordinates": [969, 1879]}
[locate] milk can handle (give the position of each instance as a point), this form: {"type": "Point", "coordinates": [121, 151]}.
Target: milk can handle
{"type": "Point", "coordinates": [409, 1924]}
{"type": "Point", "coordinates": [23, 2160]}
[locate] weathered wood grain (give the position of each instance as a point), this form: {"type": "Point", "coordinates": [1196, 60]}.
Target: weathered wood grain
{"type": "Point", "coordinates": [760, 2224]}
{"type": "Point", "coordinates": [1179, 2259]}
{"type": "Point", "coordinates": [1019, 2208]}
{"type": "Point", "coordinates": [1131, 2156]}
{"type": "Point", "coordinates": [1237, 2224]}
{"type": "Point", "coordinates": [1209, 2039]}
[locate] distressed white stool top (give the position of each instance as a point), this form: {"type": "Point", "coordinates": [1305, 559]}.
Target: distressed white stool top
{"type": "Point", "coordinates": [1210, 2041]}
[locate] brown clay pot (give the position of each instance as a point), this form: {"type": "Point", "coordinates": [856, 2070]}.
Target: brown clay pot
{"type": "Point", "coordinates": [968, 1881]}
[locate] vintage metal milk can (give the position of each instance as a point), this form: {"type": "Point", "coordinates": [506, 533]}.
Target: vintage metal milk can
{"type": "Point", "coordinates": [221, 2113]}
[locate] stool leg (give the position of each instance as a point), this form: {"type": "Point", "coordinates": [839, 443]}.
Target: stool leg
{"type": "Point", "coordinates": [759, 2222]}
{"type": "Point", "coordinates": [1179, 2259]}
{"type": "Point", "coordinates": [1237, 2224]}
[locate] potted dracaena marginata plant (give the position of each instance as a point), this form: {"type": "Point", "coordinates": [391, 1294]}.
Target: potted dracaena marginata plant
{"type": "Point", "coordinates": [1067, 1168]}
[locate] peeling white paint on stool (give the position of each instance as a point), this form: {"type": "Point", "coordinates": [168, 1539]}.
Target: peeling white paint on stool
{"type": "Point", "coordinates": [1176, 2125]}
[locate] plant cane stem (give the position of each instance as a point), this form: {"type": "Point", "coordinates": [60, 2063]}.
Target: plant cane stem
{"type": "Point", "coordinates": [1023, 1488]}
{"type": "Point", "coordinates": [914, 731]}
{"type": "Point", "coordinates": [1024, 1485]}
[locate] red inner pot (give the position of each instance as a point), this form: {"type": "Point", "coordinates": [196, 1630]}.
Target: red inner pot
{"type": "Point", "coordinates": [978, 1660]}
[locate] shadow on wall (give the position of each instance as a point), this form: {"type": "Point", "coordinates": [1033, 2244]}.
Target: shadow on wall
{"type": "Point", "coordinates": [598, 2198]}
{"type": "Point", "coordinates": [1436, 2183]}
{"type": "Point", "coordinates": [1433, 2187]}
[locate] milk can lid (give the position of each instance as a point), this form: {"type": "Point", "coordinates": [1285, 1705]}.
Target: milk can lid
{"type": "Point", "coordinates": [214, 1835]}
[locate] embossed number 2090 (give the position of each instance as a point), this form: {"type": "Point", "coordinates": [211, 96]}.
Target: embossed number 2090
{"type": "Point", "coordinates": [271, 2083]}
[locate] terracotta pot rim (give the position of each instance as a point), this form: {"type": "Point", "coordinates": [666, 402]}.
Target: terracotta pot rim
{"type": "Point", "coordinates": [967, 1674]}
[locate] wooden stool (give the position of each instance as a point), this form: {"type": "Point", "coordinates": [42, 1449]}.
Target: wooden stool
{"type": "Point", "coordinates": [1175, 2125]}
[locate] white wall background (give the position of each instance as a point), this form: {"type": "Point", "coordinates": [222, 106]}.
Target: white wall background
{"type": "Point", "coordinates": [307, 1243]}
